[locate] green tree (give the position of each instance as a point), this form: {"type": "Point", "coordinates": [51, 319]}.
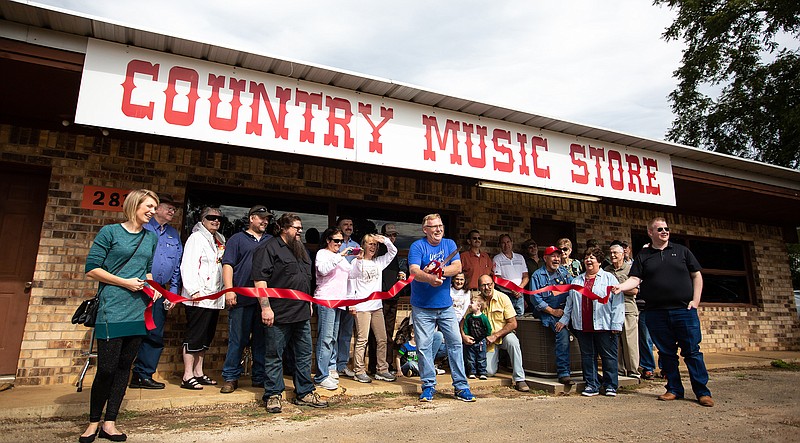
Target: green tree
{"type": "Point", "coordinates": [746, 51]}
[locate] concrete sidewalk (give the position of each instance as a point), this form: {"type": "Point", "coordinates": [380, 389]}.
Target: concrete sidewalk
{"type": "Point", "coordinates": [26, 402]}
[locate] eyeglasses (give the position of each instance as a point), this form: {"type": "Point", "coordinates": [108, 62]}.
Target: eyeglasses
{"type": "Point", "coordinates": [336, 240]}
{"type": "Point", "coordinates": [393, 234]}
{"type": "Point", "coordinates": [662, 229]}
{"type": "Point", "coordinates": [475, 239]}
{"type": "Point", "coordinates": [533, 247]}
{"type": "Point", "coordinates": [564, 249]}
{"type": "Point", "coordinates": [170, 208]}
{"type": "Point", "coordinates": [298, 228]}
{"type": "Point", "coordinates": [213, 217]}
{"type": "Point", "coordinates": [434, 227]}
{"type": "Point", "coordinates": [485, 285]}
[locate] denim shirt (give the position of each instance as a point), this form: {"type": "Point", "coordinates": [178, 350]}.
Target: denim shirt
{"type": "Point", "coordinates": [607, 317]}
{"type": "Point", "coordinates": [167, 259]}
{"type": "Point", "coordinates": [541, 278]}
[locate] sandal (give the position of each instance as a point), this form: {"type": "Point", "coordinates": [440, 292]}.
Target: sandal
{"type": "Point", "coordinates": [205, 380]}
{"type": "Point", "coordinates": [192, 384]}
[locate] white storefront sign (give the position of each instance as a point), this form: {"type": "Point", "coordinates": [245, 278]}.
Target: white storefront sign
{"type": "Point", "coordinates": [146, 91]}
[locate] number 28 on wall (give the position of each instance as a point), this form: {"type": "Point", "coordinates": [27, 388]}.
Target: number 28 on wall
{"type": "Point", "coordinates": [104, 199]}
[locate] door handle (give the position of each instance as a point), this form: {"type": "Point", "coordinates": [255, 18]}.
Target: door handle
{"type": "Point", "coordinates": [28, 284]}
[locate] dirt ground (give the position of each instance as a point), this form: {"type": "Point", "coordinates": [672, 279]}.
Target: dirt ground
{"type": "Point", "coordinates": [760, 404]}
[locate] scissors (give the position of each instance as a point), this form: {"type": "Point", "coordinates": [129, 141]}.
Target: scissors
{"type": "Point", "coordinates": [438, 266]}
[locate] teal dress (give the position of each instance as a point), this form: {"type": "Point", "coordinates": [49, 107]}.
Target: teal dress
{"type": "Point", "coordinates": [121, 312]}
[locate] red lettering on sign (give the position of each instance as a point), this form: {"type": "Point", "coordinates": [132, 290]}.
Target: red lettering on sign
{"type": "Point", "coordinates": [499, 136]}
{"type": "Point", "coordinates": [450, 128]}
{"type": "Point", "coordinates": [478, 161]}
{"type": "Point", "coordinates": [597, 154]}
{"type": "Point", "coordinates": [634, 169]}
{"type": "Point", "coordinates": [237, 86]}
{"type": "Point", "coordinates": [616, 182]}
{"type": "Point", "coordinates": [176, 74]}
{"type": "Point", "coordinates": [522, 139]}
{"type": "Point", "coordinates": [652, 166]}
{"type": "Point", "coordinates": [386, 114]}
{"type": "Point", "coordinates": [128, 108]}
{"type": "Point", "coordinates": [309, 100]}
{"type": "Point", "coordinates": [539, 142]}
{"type": "Point", "coordinates": [574, 150]}
{"type": "Point", "coordinates": [259, 92]}
{"type": "Point", "coordinates": [335, 104]}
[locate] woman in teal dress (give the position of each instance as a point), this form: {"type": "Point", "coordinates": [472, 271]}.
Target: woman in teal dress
{"type": "Point", "coordinates": [126, 249]}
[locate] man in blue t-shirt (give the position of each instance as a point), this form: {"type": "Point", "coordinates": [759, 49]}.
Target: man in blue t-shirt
{"type": "Point", "coordinates": [431, 305]}
{"type": "Point", "coordinates": [244, 313]}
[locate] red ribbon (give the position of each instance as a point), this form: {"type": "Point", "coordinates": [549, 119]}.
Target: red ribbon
{"type": "Point", "coordinates": [289, 294]}
{"type": "Point", "coordinates": [586, 292]}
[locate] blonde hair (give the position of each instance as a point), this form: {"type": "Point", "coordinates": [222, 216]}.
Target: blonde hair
{"type": "Point", "coordinates": [564, 242]}
{"type": "Point", "coordinates": [430, 217]}
{"type": "Point", "coordinates": [136, 198]}
{"type": "Point", "coordinates": [366, 239]}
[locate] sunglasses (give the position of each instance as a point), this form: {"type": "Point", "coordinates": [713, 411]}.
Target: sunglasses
{"type": "Point", "coordinates": [213, 217]}
{"type": "Point", "coordinates": [336, 240]}
{"type": "Point", "coordinates": [662, 229]}
{"type": "Point", "coordinates": [564, 249]}
{"type": "Point", "coordinates": [475, 238]}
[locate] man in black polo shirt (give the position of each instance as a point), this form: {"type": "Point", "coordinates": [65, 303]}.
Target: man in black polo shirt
{"type": "Point", "coordinates": [282, 262]}
{"type": "Point", "coordinates": [671, 284]}
{"type": "Point", "coordinates": [244, 314]}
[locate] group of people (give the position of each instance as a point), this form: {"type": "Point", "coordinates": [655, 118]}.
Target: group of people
{"type": "Point", "coordinates": [457, 313]}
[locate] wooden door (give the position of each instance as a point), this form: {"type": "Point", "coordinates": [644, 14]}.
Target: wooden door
{"type": "Point", "coordinates": [23, 196]}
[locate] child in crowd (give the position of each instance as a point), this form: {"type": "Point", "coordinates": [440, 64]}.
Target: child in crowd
{"type": "Point", "coordinates": [477, 326]}
{"type": "Point", "coordinates": [460, 295]}
{"type": "Point", "coordinates": [407, 359]}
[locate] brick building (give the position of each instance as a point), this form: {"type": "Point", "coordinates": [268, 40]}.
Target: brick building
{"type": "Point", "coordinates": [64, 174]}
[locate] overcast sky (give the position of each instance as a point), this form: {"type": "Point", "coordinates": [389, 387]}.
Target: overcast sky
{"type": "Point", "coordinates": [601, 63]}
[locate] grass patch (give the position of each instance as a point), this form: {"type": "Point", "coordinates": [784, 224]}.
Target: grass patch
{"type": "Point", "coordinates": [300, 417]}
{"type": "Point", "coordinates": [128, 415]}
{"type": "Point", "coordinates": [387, 394]}
{"type": "Point", "coordinates": [780, 364]}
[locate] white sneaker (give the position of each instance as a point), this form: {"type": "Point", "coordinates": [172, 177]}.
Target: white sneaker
{"type": "Point", "coordinates": [439, 371]}
{"type": "Point", "coordinates": [333, 374]}
{"type": "Point", "coordinates": [329, 383]}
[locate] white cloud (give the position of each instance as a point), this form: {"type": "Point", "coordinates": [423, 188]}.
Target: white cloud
{"type": "Point", "coordinates": [599, 63]}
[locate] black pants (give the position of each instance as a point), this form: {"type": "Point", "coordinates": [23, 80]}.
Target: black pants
{"type": "Point", "coordinates": [114, 359]}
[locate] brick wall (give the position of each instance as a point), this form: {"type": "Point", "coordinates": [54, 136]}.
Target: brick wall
{"type": "Point", "coordinates": [51, 348]}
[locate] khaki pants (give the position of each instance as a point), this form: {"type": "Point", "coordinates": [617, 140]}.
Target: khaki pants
{"type": "Point", "coordinates": [364, 322]}
{"type": "Point", "coordinates": [629, 339]}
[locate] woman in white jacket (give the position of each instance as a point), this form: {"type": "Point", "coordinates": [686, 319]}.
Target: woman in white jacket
{"type": "Point", "coordinates": [201, 273]}
{"type": "Point", "coordinates": [366, 278]}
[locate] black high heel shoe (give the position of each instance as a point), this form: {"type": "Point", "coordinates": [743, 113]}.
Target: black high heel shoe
{"type": "Point", "coordinates": [112, 437]}
{"type": "Point", "coordinates": [89, 438]}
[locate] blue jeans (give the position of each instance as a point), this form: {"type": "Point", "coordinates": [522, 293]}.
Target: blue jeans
{"type": "Point", "coordinates": [152, 344]}
{"type": "Point", "coordinates": [561, 350]}
{"type": "Point", "coordinates": [327, 331]}
{"type": "Point", "coordinates": [519, 304]}
{"type": "Point", "coordinates": [679, 328]}
{"type": "Point", "coordinates": [244, 322]}
{"type": "Point", "coordinates": [342, 355]}
{"type": "Point", "coordinates": [603, 343]}
{"type": "Point", "coordinates": [476, 358]}
{"type": "Point", "coordinates": [277, 337]}
{"type": "Point", "coordinates": [425, 322]}
{"type": "Point", "coordinates": [646, 359]}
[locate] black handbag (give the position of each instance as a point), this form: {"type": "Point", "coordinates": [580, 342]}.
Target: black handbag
{"type": "Point", "coordinates": [86, 314]}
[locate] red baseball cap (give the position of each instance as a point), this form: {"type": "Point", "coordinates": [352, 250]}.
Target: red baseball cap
{"type": "Point", "coordinates": [551, 250]}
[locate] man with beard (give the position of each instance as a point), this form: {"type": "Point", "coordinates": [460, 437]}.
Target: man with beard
{"type": "Point", "coordinates": [166, 272]}
{"type": "Point", "coordinates": [244, 313]}
{"type": "Point", "coordinates": [549, 306]}
{"type": "Point", "coordinates": [282, 262]}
